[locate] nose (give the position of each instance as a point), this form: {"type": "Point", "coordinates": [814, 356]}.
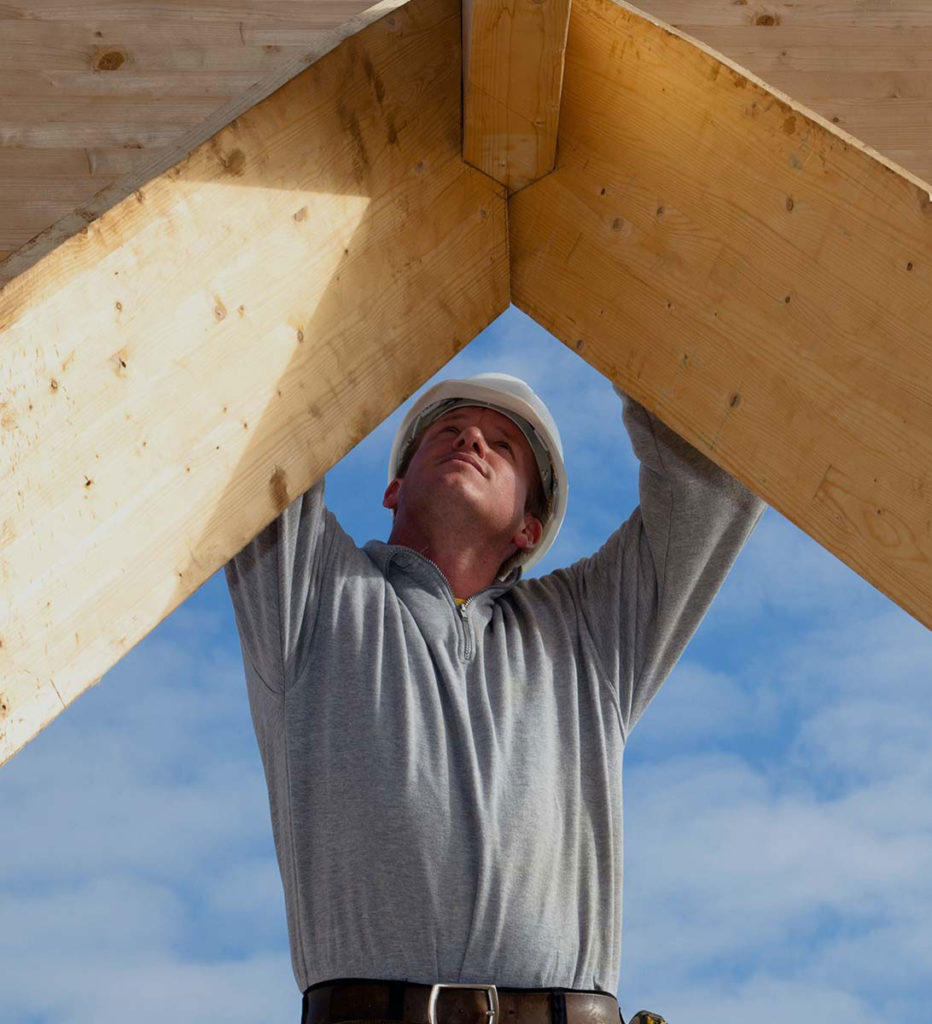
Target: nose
{"type": "Point", "coordinates": [471, 438]}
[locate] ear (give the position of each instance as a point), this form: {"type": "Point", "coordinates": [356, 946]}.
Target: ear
{"type": "Point", "coordinates": [529, 535]}
{"type": "Point", "coordinates": [390, 500]}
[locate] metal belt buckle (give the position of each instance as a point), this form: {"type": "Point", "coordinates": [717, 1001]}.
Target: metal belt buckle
{"type": "Point", "coordinates": [490, 990]}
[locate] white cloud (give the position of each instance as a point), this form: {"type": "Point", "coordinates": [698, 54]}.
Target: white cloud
{"type": "Point", "coordinates": [80, 988]}
{"type": "Point", "coordinates": [121, 919]}
{"type": "Point", "coordinates": [783, 569]}
{"type": "Point", "coordinates": [779, 824]}
{"type": "Point", "coordinates": [711, 703]}
{"type": "Point", "coordinates": [728, 876]}
{"type": "Point", "coordinates": [247, 895]}
{"type": "Point", "coordinates": [765, 1000]}
{"type": "Point", "coordinates": [124, 778]}
{"type": "Point", "coordinates": [137, 876]}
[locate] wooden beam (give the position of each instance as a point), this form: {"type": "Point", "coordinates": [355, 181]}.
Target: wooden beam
{"type": "Point", "coordinates": [753, 275]}
{"type": "Point", "coordinates": [512, 77]}
{"type": "Point", "coordinates": [180, 371]}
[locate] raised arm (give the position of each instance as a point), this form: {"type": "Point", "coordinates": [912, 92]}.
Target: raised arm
{"type": "Point", "coordinates": [271, 583]}
{"type": "Point", "coordinates": [642, 595]}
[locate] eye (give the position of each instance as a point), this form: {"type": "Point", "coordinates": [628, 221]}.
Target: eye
{"type": "Point", "coordinates": [504, 445]}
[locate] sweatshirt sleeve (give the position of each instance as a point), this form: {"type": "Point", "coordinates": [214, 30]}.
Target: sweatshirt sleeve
{"type": "Point", "coordinates": [644, 593]}
{"type": "Point", "coordinates": [272, 585]}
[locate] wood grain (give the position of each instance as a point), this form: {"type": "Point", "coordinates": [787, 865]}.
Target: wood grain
{"type": "Point", "coordinates": [816, 14]}
{"type": "Point", "coordinates": [512, 77]}
{"type": "Point", "coordinates": [286, 12]}
{"type": "Point", "coordinates": [873, 53]}
{"type": "Point", "coordinates": [753, 275]}
{"type": "Point", "coordinates": [196, 357]}
{"type": "Point", "coordinates": [34, 235]}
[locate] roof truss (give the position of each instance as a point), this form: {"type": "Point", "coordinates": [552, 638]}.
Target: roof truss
{"type": "Point", "coordinates": [197, 356]}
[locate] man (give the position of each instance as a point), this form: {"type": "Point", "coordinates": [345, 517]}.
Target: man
{"type": "Point", "coordinates": [443, 739]}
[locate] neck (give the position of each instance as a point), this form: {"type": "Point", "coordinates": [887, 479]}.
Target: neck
{"type": "Point", "coordinates": [468, 566]}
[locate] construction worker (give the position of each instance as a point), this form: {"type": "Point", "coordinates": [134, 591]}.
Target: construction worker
{"type": "Point", "coordinates": [442, 739]}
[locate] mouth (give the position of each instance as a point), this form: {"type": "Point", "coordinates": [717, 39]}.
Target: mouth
{"type": "Point", "coordinates": [459, 457]}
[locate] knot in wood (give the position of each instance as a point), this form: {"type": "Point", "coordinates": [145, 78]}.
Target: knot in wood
{"type": "Point", "coordinates": [109, 60]}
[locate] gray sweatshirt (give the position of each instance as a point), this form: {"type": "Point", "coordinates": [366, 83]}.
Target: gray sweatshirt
{"type": "Point", "coordinates": [445, 782]}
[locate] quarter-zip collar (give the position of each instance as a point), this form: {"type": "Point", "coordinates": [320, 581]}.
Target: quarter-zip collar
{"type": "Point", "coordinates": [422, 586]}
{"type": "Point", "coordinates": [426, 572]}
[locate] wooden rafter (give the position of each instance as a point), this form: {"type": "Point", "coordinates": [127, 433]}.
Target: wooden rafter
{"type": "Point", "coordinates": [753, 275]}
{"type": "Point", "coordinates": [199, 355]}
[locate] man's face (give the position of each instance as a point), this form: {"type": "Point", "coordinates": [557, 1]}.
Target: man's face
{"type": "Point", "coordinates": [474, 458]}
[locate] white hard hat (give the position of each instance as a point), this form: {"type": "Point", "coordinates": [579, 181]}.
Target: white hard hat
{"type": "Point", "coordinates": [515, 399]}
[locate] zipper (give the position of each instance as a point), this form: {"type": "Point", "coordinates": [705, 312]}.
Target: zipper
{"type": "Point", "coordinates": [461, 608]}
{"type": "Point", "coordinates": [430, 561]}
{"type": "Point", "coordinates": [467, 629]}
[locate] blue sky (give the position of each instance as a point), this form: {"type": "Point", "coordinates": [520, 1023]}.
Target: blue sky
{"type": "Point", "coordinates": [778, 793]}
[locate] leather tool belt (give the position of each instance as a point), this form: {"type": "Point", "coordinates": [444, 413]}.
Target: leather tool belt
{"type": "Point", "coordinates": [357, 999]}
